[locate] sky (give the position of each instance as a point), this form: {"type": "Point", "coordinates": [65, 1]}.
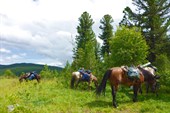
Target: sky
{"type": "Point", "coordinates": [43, 31]}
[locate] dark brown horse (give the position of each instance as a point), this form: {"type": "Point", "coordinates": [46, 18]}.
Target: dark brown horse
{"type": "Point", "coordinates": [26, 77]}
{"type": "Point", "coordinates": [116, 76]}
{"type": "Point", "coordinates": [150, 79]}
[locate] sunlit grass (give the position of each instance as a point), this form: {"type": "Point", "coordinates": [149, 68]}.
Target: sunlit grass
{"type": "Point", "coordinates": [55, 96]}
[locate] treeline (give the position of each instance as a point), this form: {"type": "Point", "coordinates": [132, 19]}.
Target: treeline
{"type": "Point", "coordinates": [19, 68]}
{"type": "Point", "coordinates": [46, 72]}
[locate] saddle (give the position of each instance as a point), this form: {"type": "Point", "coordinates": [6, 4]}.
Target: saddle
{"type": "Point", "coordinates": [132, 72]}
{"type": "Point", "coordinates": [85, 77]}
{"type": "Point", "coordinates": [32, 76]}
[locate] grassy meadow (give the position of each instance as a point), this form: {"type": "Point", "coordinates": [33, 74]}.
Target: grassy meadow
{"type": "Point", "coordinates": [55, 96]}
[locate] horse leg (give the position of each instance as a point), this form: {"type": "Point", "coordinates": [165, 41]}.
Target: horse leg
{"type": "Point", "coordinates": [26, 80]}
{"type": "Point", "coordinates": [36, 77]}
{"type": "Point", "coordinates": [38, 80]}
{"type": "Point", "coordinates": [95, 83]}
{"type": "Point", "coordinates": [114, 96]}
{"type": "Point", "coordinates": [77, 82]}
{"type": "Point", "coordinates": [147, 87]}
{"type": "Point", "coordinates": [135, 91]}
{"type": "Point", "coordinates": [140, 89]}
{"type": "Point", "coordinates": [156, 88]}
{"type": "Point", "coordinates": [89, 84]}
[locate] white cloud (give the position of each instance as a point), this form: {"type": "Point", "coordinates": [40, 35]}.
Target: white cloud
{"type": "Point", "coordinates": [42, 31]}
{"type": "Point", "coordinates": [3, 50]}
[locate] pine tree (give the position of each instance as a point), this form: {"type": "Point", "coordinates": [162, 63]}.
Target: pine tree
{"type": "Point", "coordinates": [107, 33]}
{"type": "Point", "coordinates": [153, 16]}
{"type": "Point", "coordinates": [85, 50]}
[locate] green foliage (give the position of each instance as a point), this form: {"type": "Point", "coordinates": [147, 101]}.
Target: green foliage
{"type": "Point", "coordinates": [163, 65]}
{"type": "Point", "coordinates": [86, 48]}
{"type": "Point", "coordinates": [107, 33]}
{"type": "Point", "coordinates": [164, 46]}
{"type": "Point", "coordinates": [8, 73]}
{"type": "Point", "coordinates": [85, 32]}
{"type": "Point", "coordinates": [79, 60]}
{"type": "Point", "coordinates": [153, 18]}
{"type": "Point", "coordinates": [66, 72]}
{"type": "Point", "coordinates": [47, 73]}
{"type": "Point", "coordinates": [128, 47]}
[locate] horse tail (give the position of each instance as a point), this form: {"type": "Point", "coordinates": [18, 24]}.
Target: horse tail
{"type": "Point", "coordinates": [72, 81]}
{"type": "Point", "coordinates": [102, 85]}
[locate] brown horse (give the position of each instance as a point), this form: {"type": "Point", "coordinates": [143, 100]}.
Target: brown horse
{"type": "Point", "coordinates": [150, 79]}
{"type": "Point", "coordinates": [116, 76]}
{"type": "Point", "coordinates": [77, 78]}
{"type": "Point", "coordinates": [26, 77]}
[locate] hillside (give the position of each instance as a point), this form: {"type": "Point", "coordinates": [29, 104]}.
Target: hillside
{"type": "Point", "coordinates": [18, 68]}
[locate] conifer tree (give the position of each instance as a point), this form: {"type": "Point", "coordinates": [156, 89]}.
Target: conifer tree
{"type": "Point", "coordinates": [153, 16]}
{"type": "Point", "coordinates": [107, 33]}
{"type": "Point", "coordinates": [85, 49]}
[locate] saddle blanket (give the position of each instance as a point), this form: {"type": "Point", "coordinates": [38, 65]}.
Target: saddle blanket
{"type": "Point", "coordinates": [85, 77]}
{"type": "Point", "coordinates": [133, 73]}
{"type": "Point", "coordinates": [32, 76]}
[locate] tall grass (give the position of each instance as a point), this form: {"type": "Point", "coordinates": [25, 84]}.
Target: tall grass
{"type": "Point", "coordinates": [55, 96]}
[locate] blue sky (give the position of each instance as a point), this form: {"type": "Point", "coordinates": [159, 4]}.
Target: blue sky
{"type": "Point", "coordinates": [43, 31]}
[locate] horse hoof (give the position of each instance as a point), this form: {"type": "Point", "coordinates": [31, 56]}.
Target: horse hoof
{"type": "Point", "coordinates": [134, 100]}
{"type": "Point", "coordinates": [115, 105]}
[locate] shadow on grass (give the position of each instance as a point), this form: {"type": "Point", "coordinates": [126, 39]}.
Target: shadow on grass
{"type": "Point", "coordinates": [105, 104]}
{"type": "Point", "coordinates": [163, 95]}
{"type": "Point", "coordinates": [125, 97]}
{"type": "Point", "coordinates": [150, 96]}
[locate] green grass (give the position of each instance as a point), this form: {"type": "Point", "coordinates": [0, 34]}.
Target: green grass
{"type": "Point", "coordinates": [55, 96]}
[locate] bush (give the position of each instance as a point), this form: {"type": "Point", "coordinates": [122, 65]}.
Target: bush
{"type": "Point", "coordinates": [9, 74]}
{"type": "Point", "coordinates": [162, 63]}
{"type": "Point", "coordinates": [47, 73]}
{"type": "Point", "coordinates": [128, 47]}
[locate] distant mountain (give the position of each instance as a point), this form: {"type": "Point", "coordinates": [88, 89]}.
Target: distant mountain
{"type": "Point", "coordinates": [18, 68]}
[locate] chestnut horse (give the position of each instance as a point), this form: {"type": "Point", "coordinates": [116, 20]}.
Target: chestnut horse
{"type": "Point", "coordinates": [26, 77]}
{"type": "Point", "coordinates": [77, 78]}
{"type": "Point", "coordinates": [116, 76]}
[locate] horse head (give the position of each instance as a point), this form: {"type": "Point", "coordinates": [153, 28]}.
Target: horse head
{"type": "Point", "coordinates": [22, 77]}
{"type": "Point", "coordinates": [150, 77]}
{"type": "Point", "coordinates": [94, 79]}
{"type": "Point", "coordinates": [155, 84]}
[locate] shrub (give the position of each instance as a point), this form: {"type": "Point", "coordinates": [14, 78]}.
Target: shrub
{"type": "Point", "coordinates": [128, 47]}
